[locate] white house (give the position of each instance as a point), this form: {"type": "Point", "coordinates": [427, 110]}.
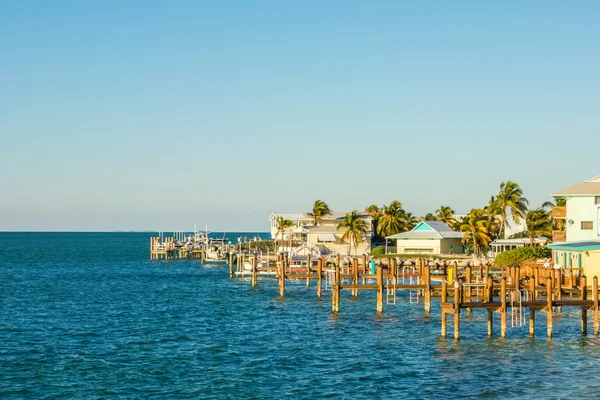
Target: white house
{"type": "Point", "coordinates": [429, 237]}
{"type": "Point", "coordinates": [581, 216]}
{"type": "Point", "coordinates": [327, 237]}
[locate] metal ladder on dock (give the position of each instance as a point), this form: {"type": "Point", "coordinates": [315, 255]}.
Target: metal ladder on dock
{"type": "Point", "coordinates": [410, 277]}
{"type": "Point", "coordinates": [516, 306]}
{"type": "Point", "coordinates": [390, 297]}
{"type": "Point", "coordinates": [329, 277]}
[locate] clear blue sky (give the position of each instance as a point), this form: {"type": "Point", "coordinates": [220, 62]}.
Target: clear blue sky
{"type": "Point", "coordinates": [158, 115]}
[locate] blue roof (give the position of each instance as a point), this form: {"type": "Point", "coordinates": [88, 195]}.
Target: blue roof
{"type": "Point", "coordinates": [576, 246]}
{"type": "Point", "coordinates": [429, 230]}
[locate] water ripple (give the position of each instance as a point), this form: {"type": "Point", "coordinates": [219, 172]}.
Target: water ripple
{"type": "Point", "coordinates": [80, 321]}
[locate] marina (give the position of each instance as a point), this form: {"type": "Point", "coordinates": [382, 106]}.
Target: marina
{"type": "Point", "coordinates": [506, 291]}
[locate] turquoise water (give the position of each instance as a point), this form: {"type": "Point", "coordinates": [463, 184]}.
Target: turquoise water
{"type": "Point", "coordinates": [87, 315]}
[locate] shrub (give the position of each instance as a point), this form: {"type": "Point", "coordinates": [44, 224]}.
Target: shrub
{"type": "Point", "coordinates": [514, 258]}
{"type": "Point", "coordinates": [261, 245]}
{"type": "Point", "coordinates": [378, 251]}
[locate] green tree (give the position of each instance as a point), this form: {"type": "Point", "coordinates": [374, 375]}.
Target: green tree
{"type": "Point", "coordinates": [320, 210]}
{"type": "Point", "coordinates": [538, 223]}
{"type": "Point", "coordinates": [446, 215]}
{"type": "Point", "coordinates": [476, 229]}
{"type": "Point", "coordinates": [509, 199]}
{"type": "Point", "coordinates": [374, 212]}
{"type": "Point", "coordinates": [355, 227]}
{"type": "Point", "coordinates": [391, 220]}
{"type": "Point", "coordinates": [429, 217]}
{"type": "Point", "coordinates": [410, 221]}
{"type": "Point", "coordinates": [283, 224]}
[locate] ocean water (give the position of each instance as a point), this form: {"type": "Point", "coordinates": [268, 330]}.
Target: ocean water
{"type": "Point", "coordinates": [88, 315]}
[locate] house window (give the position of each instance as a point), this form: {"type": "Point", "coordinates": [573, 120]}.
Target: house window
{"type": "Point", "coordinates": [587, 225]}
{"type": "Point", "coordinates": [598, 200]}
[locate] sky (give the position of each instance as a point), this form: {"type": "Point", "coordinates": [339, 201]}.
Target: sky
{"type": "Point", "coordinates": [156, 115]}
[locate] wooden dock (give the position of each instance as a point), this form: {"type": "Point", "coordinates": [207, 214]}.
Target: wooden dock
{"type": "Point", "coordinates": [167, 250]}
{"type": "Point", "coordinates": [513, 291]}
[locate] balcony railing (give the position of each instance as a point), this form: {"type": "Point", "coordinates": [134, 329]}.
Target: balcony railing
{"type": "Point", "coordinates": [559, 212]}
{"type": "Point", "coordinates": [559, 236]}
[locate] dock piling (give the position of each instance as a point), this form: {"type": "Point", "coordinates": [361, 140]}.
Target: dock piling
{"type": "Point", "coordinates": [584, 308]}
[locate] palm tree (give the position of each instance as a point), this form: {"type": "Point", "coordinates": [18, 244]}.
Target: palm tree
{"type": "Point", "coordinates": [510, 198]}
{"type": "Point", "coordinates": [320, 210]}
{"type": "Point", "coordinates": [372, 210]}
{"type": "Point", "coordinates": [391, 220]}
{"type": "Point", "coordinates": [539, 223]}
{"type": "Point", "coordinates": [446, 215]}
{"type": "Point", "coordinates": [283, 225]}
{"type": "Point", "coordinates": [410, 221]}
{"type": "Point", "coordinates": [355, 227]}
{"type": "Point", "coordinates": [476, 228]}
{"type": "Point", "coordinates": [429, 217]}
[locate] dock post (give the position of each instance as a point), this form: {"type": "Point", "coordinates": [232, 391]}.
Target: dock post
{"type": "Point", "coordinates": [503, 302]}
{"type": "Point", "coordinates": [444, 270]}
{"type": "Point", "coordinates": [457, 300]}
{"type": "Point", "coordinates": [355, 276]}
{"type": "Point", "coordinates": [549, 304]}
{"type": "Point", "coordinates": [531, 309]}
{"type": "Point", "coordinates": [254, 272]}
{"type": "Point", "coordinates": [487, 271]}
{"type": "Point", "coordinates": [467, 290]}
{"type": "Point", "coordinates": [203, 255]}
{"type": "Point", "coordinates": [335, 290]}
{"type": "Point", "coordinates": [319, 277]}
{"type": "Point", "coordinates": [489, 294]}
{"type": "Point", "coordinates": [379, 289]}
{"type": "Point", "coordinates": [427, 271]}
{"type": "Point", "coordinates": [455, 271]}
{"type": "Point", "coordinates": [308, 270]}
{"type": "Point", "coordinates": [444, 300]}
{"type": "Point", "coordinates": [231, 268]}
{"type": "Point", "coordinates": [282, 275]}
{"type": "Point", "coordinates": [595, 301]}
{"type": "Point", "coordinates": [393, 272]}
{"type": "Point", "coordinates": [583, 281]}
{"type": "Point", "coordinates": [559, 287]}
{"type": "Point", "coordinates": [364, 263]}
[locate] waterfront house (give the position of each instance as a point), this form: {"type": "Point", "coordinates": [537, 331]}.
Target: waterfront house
{"type": "Point", "coordinates": [326, 236]}
{"type": "Point", "coordinates": [428, 237]}
{"type": "Point", "coordinates": [583, 254]}
{"type": "Point", "coordinates": [500, 245]}
{"type": "Point", "coordinates": [579, 220]}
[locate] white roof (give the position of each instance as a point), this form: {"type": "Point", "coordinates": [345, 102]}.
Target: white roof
{"type": "Point", "coordinates": [591, 187]}
{"type": "Point", "coordinates": [305, 217]}
{"type": "Point", "coordinates": [326, 237]}
{"type": "Point", "coordinates": [516, 242]}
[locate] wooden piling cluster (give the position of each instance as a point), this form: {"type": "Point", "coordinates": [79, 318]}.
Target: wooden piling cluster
{"type": "Point", "coordinates": [510, 291]}
{"type": "Point", "coordinates": [168, 250]}
{"type": "Point", "coordinates": [353, 275]}
{"type": "Point", "coordinates": [512, 295]}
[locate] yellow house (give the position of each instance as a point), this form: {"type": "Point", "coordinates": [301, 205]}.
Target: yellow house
{"type": "Point", "coordinates": [584, 255]}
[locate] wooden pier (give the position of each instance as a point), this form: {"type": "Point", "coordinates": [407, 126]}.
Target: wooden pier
{"type": "Point", "coordinates": [167, 250]}
{"type": "Point", "coordinates": [511, 295]}
{"type": "Point", "coordinates": [505, 291]}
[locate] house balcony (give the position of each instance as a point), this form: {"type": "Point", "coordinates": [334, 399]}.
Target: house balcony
{"type": "Point", "coordinates": [559, 212]}
{"type": "Point", "coordinates": [559, 236]}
